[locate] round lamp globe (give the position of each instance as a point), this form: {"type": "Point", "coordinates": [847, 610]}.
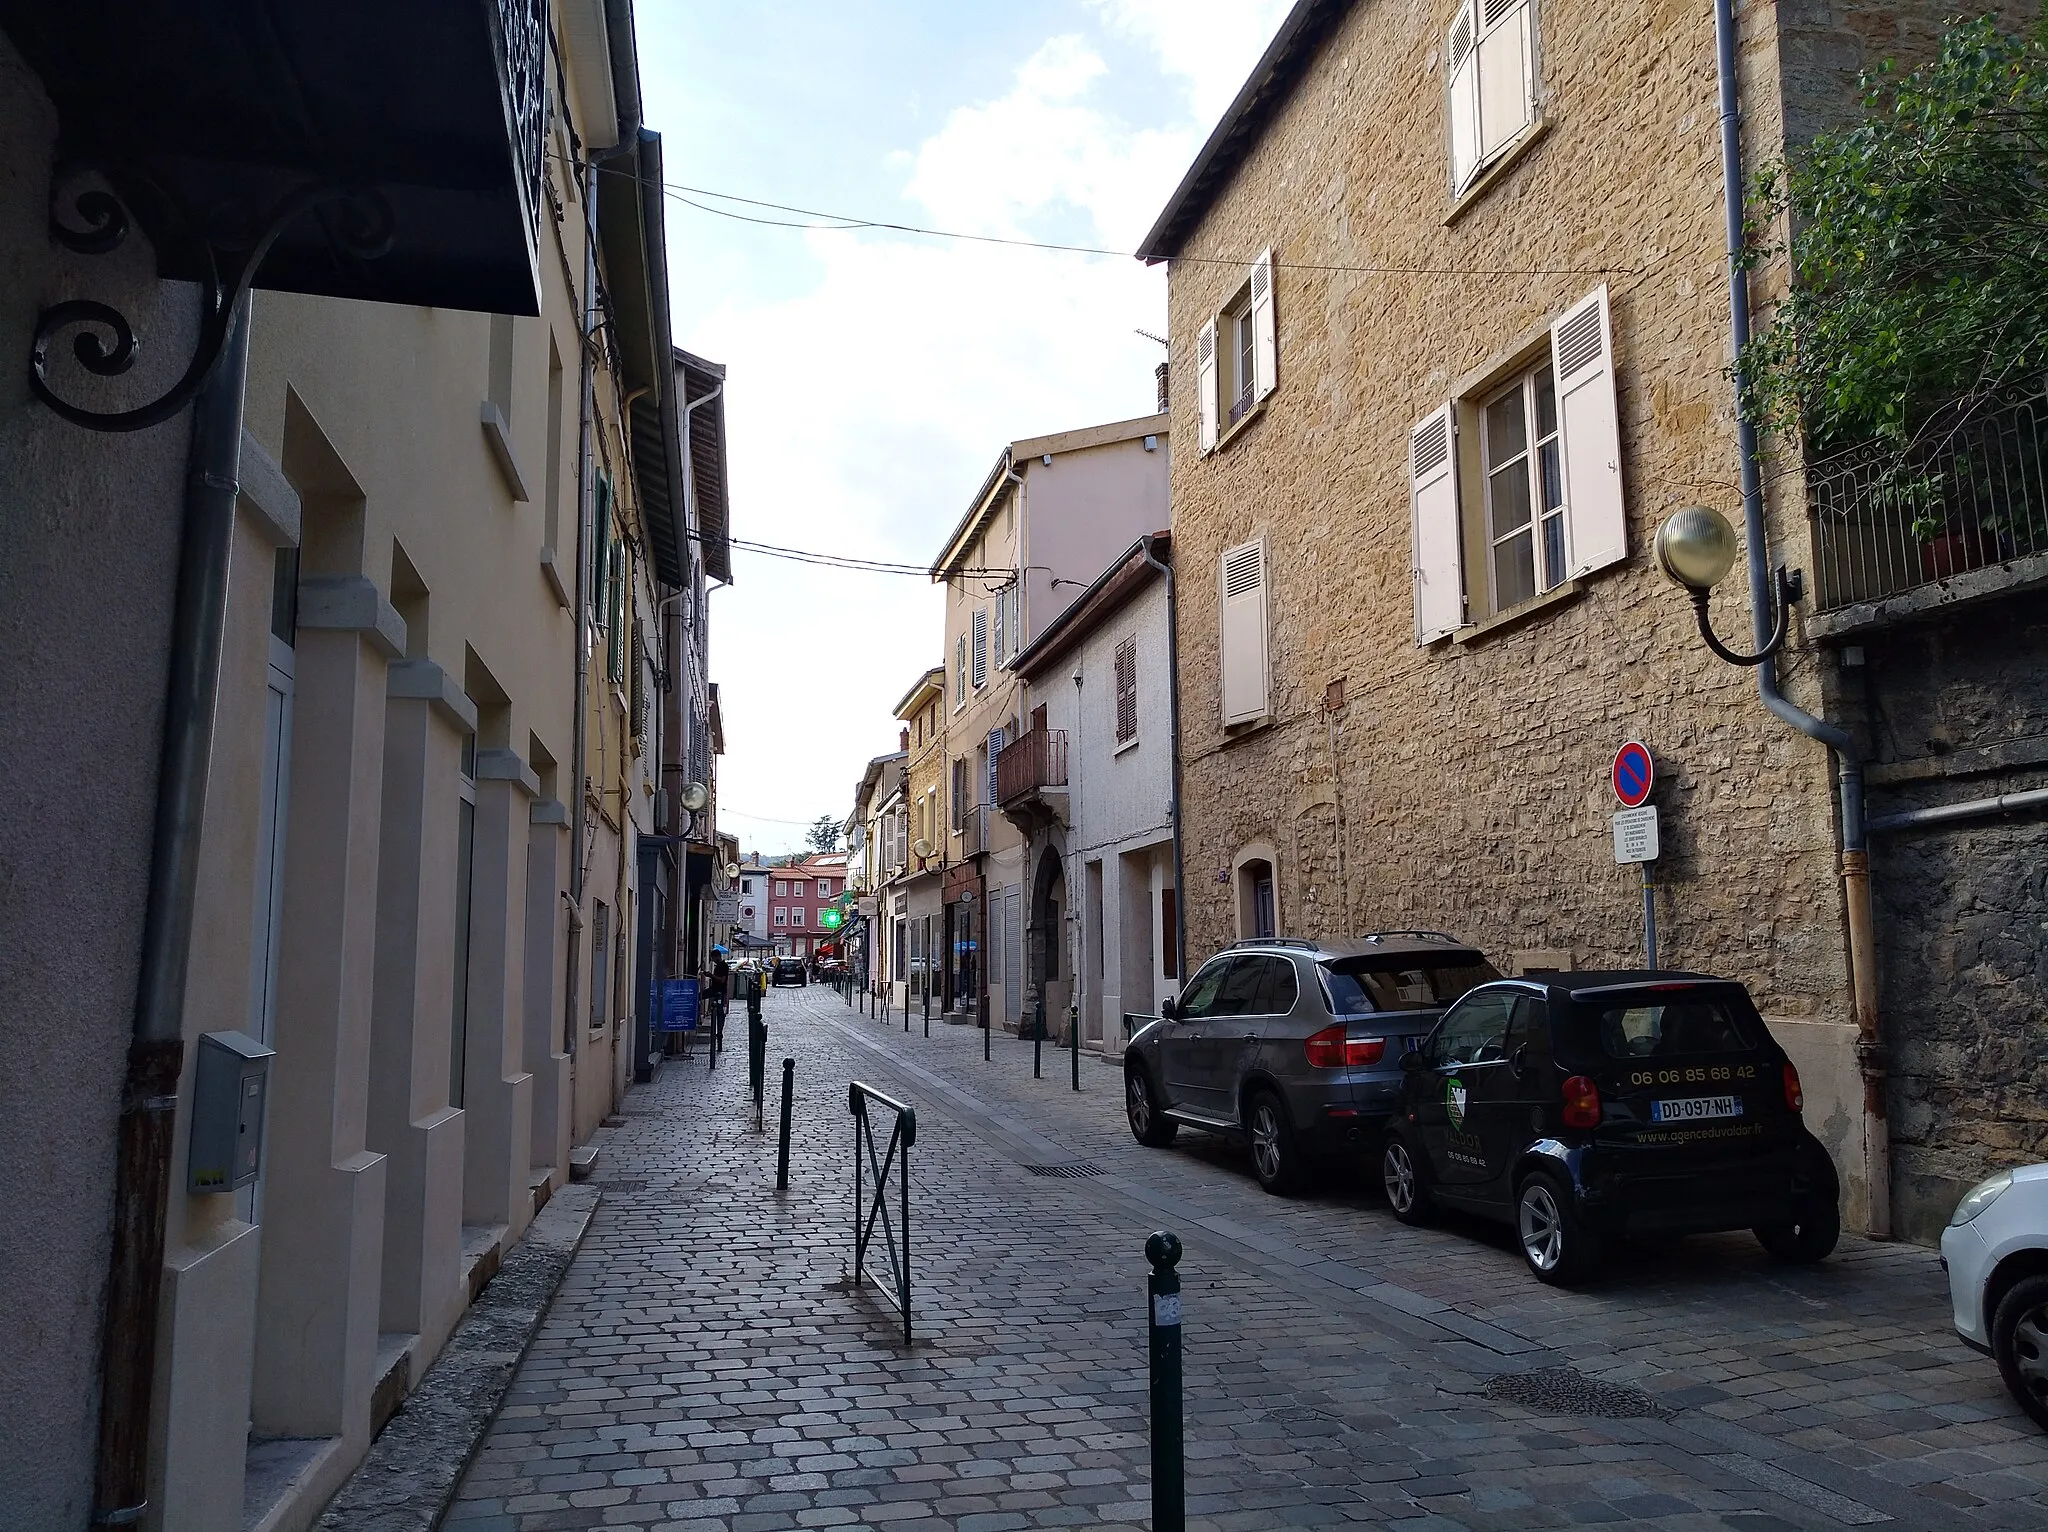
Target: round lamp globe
{"type": "Point", "coordinates": [1696, 547]}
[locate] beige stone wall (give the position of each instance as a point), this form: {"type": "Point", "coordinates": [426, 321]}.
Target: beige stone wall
{"type": "Point", "coordinates": [1464, 786]}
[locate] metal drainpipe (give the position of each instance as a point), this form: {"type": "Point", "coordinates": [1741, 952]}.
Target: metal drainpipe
{"type": "Point", "coordinates": [1180, 902]}
{"type": "Point", "coordinates": [149, 1097]}
{"type": "Point", "coordinates": [1855, 865]}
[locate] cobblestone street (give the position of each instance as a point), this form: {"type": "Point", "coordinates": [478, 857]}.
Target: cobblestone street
{"type": "Point", "coordinates": [705, 1365]}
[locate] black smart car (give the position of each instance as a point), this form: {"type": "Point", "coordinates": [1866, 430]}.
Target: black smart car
{"type": "Point", "coordinates": [788, 970]}
{"type": "Point", "coordinates": [1584, 1106]}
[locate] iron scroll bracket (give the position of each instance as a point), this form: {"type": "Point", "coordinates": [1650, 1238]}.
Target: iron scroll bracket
{"type": "Point", "coordinates": [106, 344]}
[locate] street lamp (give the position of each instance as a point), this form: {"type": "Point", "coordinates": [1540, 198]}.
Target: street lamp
{"type": "Point", "coordinates": [1695, 548]}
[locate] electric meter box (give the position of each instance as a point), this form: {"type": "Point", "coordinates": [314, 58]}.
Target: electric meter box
{"type": "Point", "coordinates": [231, 1081]}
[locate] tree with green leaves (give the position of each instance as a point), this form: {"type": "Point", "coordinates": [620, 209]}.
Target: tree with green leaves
{"type": "Point", "coordinates": [823, 835]}
{"type": "Point", "coordinates": [1918, 249]}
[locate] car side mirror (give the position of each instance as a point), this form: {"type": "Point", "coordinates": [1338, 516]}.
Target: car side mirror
{"type": "Point", "coordinates": [1411, 1061]}
{"type": "Point", "coordinates": [1169, 1009]}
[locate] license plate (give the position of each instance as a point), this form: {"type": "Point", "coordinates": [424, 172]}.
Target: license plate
{"type": "Point", "coordinates": [1695, 1108]}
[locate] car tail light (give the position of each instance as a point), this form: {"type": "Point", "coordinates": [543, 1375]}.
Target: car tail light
{"type": "Point", "coordinates": [1581, 1103]}
{"type": "Point", "coordinates": [1334, 1048]}
{"type": "Point", "coordinates": [1795, 1098]}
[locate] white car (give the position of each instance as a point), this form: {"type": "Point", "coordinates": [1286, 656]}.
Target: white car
{"type": "Point", "coordinates": [1995, 1250]}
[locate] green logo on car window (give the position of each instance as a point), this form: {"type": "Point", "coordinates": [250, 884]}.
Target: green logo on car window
{"type": "Point", "coordinates": [1454, 1102]}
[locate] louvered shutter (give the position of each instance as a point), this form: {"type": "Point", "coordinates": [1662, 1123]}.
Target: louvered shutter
{"type": "Point", "coordinates": [960, 669]}
{"type": "Point", "coordinates": [1002, 612]}
{"type": "Point", "coordinates": [1507, 72]}
{"type": "Point", "coordinates": [1126, 690]}
{"type": "Point", "coordinates": [1265, 337]}
{"type": "Point", "coordinates": [1433, 488]}
{"type": "Point", "coordinates": [1205, 385]}
{"type": "Point", "coordinates": [1582, 357]}
{"type": "Point", "coordinates": [1461, 64]}
{"type": "Point", "coordinates": [995, 748]}
{"type": "Point", "coordinates": [981, 646]}
{"type": "Point", "coordinates": [1243, 580]}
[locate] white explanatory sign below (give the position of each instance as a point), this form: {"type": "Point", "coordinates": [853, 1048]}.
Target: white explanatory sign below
{"type": "Point", "coordinates": [1635, 835]}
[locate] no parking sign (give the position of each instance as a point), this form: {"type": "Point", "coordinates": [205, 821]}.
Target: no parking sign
{"type": "Point", "coordinates": [1632, 774]}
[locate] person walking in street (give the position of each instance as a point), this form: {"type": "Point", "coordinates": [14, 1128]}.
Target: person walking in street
{"type": "Point", "coordinates": [718, 990]}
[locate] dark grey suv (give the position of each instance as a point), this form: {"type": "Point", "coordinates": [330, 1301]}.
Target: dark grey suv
{"type": "Point", "coordinates": [1294, 1045]}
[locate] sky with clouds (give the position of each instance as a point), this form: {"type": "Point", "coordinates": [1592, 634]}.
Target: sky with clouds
{"type": "Point", "coordinates": [873, 376]}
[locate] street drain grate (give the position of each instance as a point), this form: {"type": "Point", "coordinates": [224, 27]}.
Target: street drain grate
{"type": "Point", "coordinates": [1566, 1391]}
{"type": "Point", "coordinates": [1080, 1168]}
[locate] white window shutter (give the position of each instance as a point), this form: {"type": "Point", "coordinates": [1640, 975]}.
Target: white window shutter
{"type": "Point", "coordinates": [1461, 65]}
{"type": "Point", "coordinates": [1582, 358]}
{"type": "Point", "coordinates": [1265, 336]}
{"type": "Point", "coordinates": [981, 646]}
{"type": "Point", "coordinates": [1507, 72]}
{"type": "Point", "coordinates": [1243, 582]}
{"type": "Point", "coordinates": [1205, 384]}
{"type": "Point", "coordinates": [1002, 611]}
{"type": "Point", "coordinates": [995, 748]}
{"type": "Point", "coordinates": [1433, 488]}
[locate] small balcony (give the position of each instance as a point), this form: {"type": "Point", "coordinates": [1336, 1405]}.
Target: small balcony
{"type": "Point", "coordinates": [1965, 516]}
{"type": "Point", "coordinates": [1031, 776]}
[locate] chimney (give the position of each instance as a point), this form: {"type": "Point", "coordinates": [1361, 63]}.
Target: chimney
{"type": "Point", "coordinates": [1160, 375]}
{"type": "Point", "coordinates": [903, 742]}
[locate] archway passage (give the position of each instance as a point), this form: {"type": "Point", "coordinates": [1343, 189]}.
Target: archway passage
{"type": "Point", "coordinates": [1048, 935]}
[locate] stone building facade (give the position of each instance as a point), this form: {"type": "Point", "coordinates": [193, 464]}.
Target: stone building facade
{"type": "Point", "coordinates": [1448, 366]}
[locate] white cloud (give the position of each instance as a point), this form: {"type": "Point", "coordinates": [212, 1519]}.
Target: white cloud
{"type": "Point", "coordinates": [1211, 45]}
{"type": "Point", "coordinates": [865, 410]}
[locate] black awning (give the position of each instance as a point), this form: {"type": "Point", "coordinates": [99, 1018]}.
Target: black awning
{"type": "Point", "coordinates": [206, 118]}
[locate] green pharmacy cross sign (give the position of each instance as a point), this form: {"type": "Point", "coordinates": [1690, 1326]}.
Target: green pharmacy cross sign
{"type": "Point", "coordinates": [830, 917]}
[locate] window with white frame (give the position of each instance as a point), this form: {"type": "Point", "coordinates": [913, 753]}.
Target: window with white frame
{"type": "Point", "coordinates": [1236, 355]}
{"type": "Point", "coordinates": [782, 888]}
{"type": "Point", "coordinates": [824, 888]}
{"type": "Point", "coordinates": [782, 917]}
{"type": "Point", "coordinates": [1490, 78]}
{"type": "Point", "coordinates": [980, 630]}
{"type": "Point", "coordinates": [796, 917]}
{"type": "Point", "coordinates": [1515, 489]}
{"type": "Point", "coordinates": [1127, 691]}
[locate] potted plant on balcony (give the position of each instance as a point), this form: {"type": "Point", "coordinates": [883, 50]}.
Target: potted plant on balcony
{"type": "Point", "coordinates": [1916, 324]}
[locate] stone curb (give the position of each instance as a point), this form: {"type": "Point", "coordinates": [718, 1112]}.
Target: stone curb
{"type": "Point", "coordinates": [408, 1480]}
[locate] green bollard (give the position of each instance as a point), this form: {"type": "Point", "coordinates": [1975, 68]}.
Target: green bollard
{"type": "Point", "coordinates": [1169, 1492]}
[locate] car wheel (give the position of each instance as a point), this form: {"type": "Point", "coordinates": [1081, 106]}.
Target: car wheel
{"type": "Point", "coordinates": [1276, 1159]}
{"type": "Point", "coordinates": [1811, 1238]}
{"type": "Point", "coordinates": [2019, 1340]}
{"type": "Point", "coordinates": [1149, 1126]}
{"type": "Point", "coordinates": [1406, 1194]}
{"type": "Point", "coordinates": [1555, 1241]}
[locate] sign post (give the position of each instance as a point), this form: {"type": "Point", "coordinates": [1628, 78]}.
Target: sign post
{"type": "Point", "coordinates": [1635, 829]}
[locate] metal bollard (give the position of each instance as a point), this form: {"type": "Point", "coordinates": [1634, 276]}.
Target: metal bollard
{"type": "Point", "coordinates": [1037, 1038]}
{"type": "Point", "coordinates": [1074, 1041]}
{"type": "Point", "coordinates": [1169, 1492]}
{"type": "Point", "coordinates": [927, 1008]}
{"type": "Point", "coordinates": [782, 1152]}
{"type": "Point", "coordinates": [906, 1008]}
{"type": "Point", "coordinates": [984, 1036]}
{"type": "Point", "coordinates": [757, 1064]}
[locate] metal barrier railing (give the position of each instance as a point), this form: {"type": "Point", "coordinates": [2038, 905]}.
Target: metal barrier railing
{"type": "Point", "coordinates": [895, 1156]}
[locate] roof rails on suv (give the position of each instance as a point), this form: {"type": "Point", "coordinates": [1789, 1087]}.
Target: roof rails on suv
{"type": "Point", "coordinates": [1273, 941]}
{"type": "Point", "coordinates": [1438, 936]}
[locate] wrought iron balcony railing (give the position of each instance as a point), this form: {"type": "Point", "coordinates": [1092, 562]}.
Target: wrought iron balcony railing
{"type": "Point", "coordinates": [1973, 492]}
{"type": "Point", "coordinates": [1034, 761]}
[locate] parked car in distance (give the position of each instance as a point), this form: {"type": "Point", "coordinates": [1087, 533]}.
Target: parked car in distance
{"type": "Point", "coordinates": [788, 970]}
{"type": "Point", "coordinates": [1292, 1045]}
{"type": "Point", "coordinates": [1995, 1250]}
{"type": "Point", "coordinates": [1579, 1107]}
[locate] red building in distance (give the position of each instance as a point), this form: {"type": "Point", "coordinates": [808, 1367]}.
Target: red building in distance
{"type": "Point", "coordinates": [797, 894]}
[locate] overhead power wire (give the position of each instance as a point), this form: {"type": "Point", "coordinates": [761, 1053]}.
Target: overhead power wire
{"type": "Point", "coordinates": [846, 223]}
{"type": "Point", "coordinates": [849, 561]}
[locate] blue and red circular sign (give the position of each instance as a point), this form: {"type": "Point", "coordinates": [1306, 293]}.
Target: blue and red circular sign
{"type": "Point", "coordinates": [1633, 774]}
